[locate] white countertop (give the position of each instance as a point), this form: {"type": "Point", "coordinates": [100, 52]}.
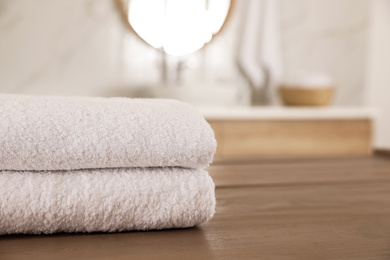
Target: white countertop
{"type": "Point", "coordinates": [286, 113]}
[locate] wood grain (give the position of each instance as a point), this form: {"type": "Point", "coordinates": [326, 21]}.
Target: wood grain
{"type": "Point", "coordinates": [266, 209]}
{"type": "Point", "coordinates": [341, 221]}
{"type": "Point", "coordinates": [240, 138]}
{"type": "Point", "coordinates": [296, 171]}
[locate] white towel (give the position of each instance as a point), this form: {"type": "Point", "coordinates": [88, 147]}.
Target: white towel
{"type": "Point", "coordinates": [74, 165]}
{"type": "Point", "coordinates": [61, 133]}
{"type": "Point", "coordinates": [104, 200]}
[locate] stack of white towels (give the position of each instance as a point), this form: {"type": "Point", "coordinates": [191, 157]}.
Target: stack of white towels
{"type": "Point", "coordinates": [98, 164]}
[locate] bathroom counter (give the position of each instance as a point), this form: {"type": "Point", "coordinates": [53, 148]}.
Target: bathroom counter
{"type": "Point", "coordinates": [286, 113]}
{"type": "Point", "coordinates": [281, 131]}
{"type": "Point", "coordinates": [272, 208]}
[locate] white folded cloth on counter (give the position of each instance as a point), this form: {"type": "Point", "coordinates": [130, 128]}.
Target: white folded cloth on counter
{"type": "Point", "coordinates": [72, 164]}
{"type": "Point", "coordinates": [62, 133]}
{"type": "Point", "coordinates": [105, 200]}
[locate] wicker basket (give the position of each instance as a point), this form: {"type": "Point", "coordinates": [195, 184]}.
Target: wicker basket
{"type": "Point", "coordinates": [296, 96]}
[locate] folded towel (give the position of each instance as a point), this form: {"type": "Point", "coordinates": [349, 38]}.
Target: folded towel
{"type": "Point", "coordinates": [104, 200]}
{"type": "Point", "coordinates": [74, 165]}
{"type": "Point", "coordinates": [60, 133]}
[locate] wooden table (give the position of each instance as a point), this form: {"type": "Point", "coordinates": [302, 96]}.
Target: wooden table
{"type": "Point", "coordinates": [266, 209]}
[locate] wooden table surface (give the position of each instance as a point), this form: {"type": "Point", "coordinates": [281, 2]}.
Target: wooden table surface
{"type": "Point", "coordinates": [266, 209]}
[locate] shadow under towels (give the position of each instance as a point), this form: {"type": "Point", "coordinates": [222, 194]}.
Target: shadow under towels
{"type": "Point", "coordinates": [98, 164]}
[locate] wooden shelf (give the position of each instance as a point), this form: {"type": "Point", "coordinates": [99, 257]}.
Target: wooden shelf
{"type": "Point", "coordinates": [243, 132]}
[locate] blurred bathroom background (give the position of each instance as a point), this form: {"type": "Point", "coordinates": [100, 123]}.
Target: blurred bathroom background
{"type": "Point", "coordinates": [87, 48]}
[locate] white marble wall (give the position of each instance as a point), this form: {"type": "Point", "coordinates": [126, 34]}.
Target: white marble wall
{"type": "Point", "coordinates": [378, 81]}
{"type": "Point", "coordinates": [59, 47]}
{"type": "Point", "coordinates": [80, 47]}
{"type": "Point", "coordinates": [327, 37]}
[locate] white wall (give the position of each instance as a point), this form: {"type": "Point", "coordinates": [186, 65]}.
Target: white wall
{"type": "Point", "coordinates": [330, 37]}
{"type": "Point", "coordinates": [80, 47]}
{"type": "Point", "coordinates": [58, 47]}
{"type": "Point", "coordinates": [378, 80]}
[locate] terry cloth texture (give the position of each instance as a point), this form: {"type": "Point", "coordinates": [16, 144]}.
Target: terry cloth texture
{"type": "Point", "coordinates": [62, 133]}
{"type": "Point", "coordinates": [104, 200]}
{"type": "Point", "coordinates": [98, 164]}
